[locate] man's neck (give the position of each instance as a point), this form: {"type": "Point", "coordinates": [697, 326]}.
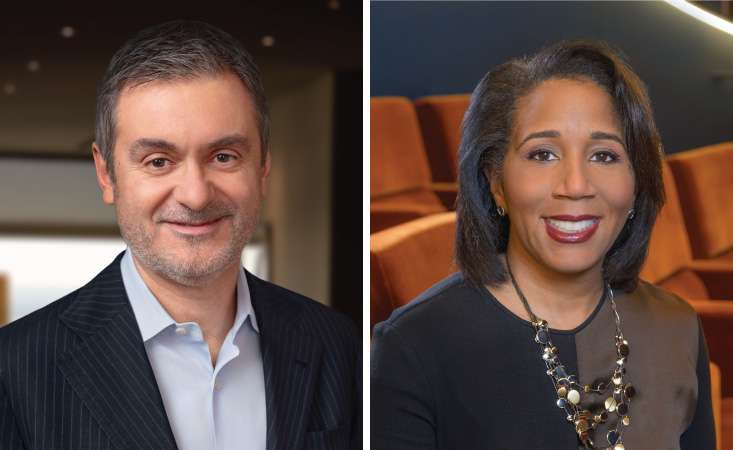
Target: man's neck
{"type": "Point", "coordinates": [212, 304]}
{"type": "Point", "coordinates": [564, 300]}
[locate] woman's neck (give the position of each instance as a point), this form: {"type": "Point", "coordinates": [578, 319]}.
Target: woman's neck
{"type": "Point", "coordinates": [564, 300]}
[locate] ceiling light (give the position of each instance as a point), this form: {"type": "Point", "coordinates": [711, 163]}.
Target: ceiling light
{"type": "Point", "coordinates": [68, 31]}
{"type": "Point", "coordinates": [33, 65]}
{"type": "Point", "coordinates": [9, 88]}
{"type": "Point", "coordinates": [268, 41]}
{"type": "Point", "coordinates": [334, 5]}
{"type": "Point", "coordinates": [702, 15]}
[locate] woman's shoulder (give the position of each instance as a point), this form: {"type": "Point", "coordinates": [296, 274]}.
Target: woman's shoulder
{"type": "Point", "coordinates": [435, 305]}
{"type": "Point", "coordinates": [657, 311]}
{"type": "Point", "coordinates": [658, 301]}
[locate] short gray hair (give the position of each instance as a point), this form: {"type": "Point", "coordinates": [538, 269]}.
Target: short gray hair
{"type": "Point", "coordinates": [176, 50]}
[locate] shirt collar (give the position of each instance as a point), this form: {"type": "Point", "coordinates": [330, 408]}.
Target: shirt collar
{"type": "Point", "coordinates": [150, 315]}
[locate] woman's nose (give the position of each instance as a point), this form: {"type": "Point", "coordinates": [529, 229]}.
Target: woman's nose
{"type": "Point", "coordinates": [575, 180]}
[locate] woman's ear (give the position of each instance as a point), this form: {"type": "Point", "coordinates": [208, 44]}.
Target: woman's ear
{"type": "Point", "coordinates": [493, 178]}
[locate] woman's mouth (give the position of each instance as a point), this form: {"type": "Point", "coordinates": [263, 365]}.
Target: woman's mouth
{"type": "Point", "coordinates": [571, 229]}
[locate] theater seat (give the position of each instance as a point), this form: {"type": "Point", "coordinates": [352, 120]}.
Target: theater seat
{"type": "Point", "coordinates": [4, 299]}
{"type": "Point", "coordinates": [705, 187]}
{"type": "Point", "coordinates": [670, 264]}
{"type": "Point", "coordinates": [726, 413]}
{"type": "Point", "coordinates": [440, 121]}
{"type": "Point", "coordinates": [400, 180]}
{"type": "Point", "coordinates": [407, 259]}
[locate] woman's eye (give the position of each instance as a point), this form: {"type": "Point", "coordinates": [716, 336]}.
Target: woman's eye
{"type": "Point", "coordinates": [542, 155]}
{"type": "Point", "coordinates": [604, 157]}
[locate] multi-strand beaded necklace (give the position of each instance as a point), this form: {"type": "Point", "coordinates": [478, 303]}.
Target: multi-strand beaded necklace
{"type": "Point", "coordinates": [570, 392]}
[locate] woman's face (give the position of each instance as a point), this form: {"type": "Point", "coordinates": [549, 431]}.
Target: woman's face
{"type": "Point", "coordinates": [567, 183]}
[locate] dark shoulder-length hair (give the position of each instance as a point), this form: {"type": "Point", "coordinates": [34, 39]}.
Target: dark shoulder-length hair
{"type": "Point", "coordinates": [481, 234]}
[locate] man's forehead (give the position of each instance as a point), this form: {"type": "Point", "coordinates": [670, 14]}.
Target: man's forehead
{"type": "Point", "coordinates": [188, 112]}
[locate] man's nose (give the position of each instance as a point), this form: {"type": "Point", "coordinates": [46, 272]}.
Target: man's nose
{"type": "Point", "coordinates": [575, 181]}
{"type": "Point", "coordinates": [193, 188]}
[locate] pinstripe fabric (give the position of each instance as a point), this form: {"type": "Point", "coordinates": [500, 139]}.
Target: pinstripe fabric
{"type": "Point", "coordinates": [75, 375]}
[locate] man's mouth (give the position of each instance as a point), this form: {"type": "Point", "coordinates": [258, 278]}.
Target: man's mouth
{"type": "Point", "coordinates": [194, 228]}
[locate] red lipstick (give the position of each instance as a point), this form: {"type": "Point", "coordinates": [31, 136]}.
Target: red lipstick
{"type": "Point", "coordinates": [575, 233]}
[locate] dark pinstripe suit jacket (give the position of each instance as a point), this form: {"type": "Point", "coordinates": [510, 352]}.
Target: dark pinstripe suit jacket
{"type": "Point", "coordinates": [75, 375]}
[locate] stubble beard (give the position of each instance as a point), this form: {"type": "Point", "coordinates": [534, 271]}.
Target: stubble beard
{"type": "Point", "coordinates": [200, 264]}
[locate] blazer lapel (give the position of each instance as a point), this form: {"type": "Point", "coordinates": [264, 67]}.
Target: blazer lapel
{"type": "Point", "coordinates": [109, 368]}
{"type": "Point", "coordinates": [291, 361]}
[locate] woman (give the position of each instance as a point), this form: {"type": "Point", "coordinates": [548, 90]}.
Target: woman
{"type": "Point", "coordinates": [546, 338]}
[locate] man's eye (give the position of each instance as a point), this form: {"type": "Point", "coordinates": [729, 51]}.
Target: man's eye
{"type": "Point", "coordinates": [604, 157]}
{"type": "Point", "coordinates": [542, 155]}
{"type": "Point", "coordinates": [224, 157]}
{"type": "Point", "coordinates": [158, 163]}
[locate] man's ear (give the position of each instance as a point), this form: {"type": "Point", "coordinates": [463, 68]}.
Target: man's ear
{"type": "Point", "coordinates": [497, 189]}
{"type": "Point", "coordinates": [265, 174]}
{"type": "Point", "coordinates": [103, 177]}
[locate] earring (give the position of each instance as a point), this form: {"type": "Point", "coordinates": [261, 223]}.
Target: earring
{"type": "Point", "coordinates": [500, 211]}
{"type": "Point", "coordinates": [631, 213]}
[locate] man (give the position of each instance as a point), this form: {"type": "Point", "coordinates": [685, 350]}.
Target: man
{"type": "Point", "coordinates": [174, 345]}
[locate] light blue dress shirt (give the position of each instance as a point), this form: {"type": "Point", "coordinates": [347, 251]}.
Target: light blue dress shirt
{"type": "Point", "coordinates": [219, 407]}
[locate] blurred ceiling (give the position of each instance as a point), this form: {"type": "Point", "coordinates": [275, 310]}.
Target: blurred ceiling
{"type": "Point", "coordinates": [51, 57]}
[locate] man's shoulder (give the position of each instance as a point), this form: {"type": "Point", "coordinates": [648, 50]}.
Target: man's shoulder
{"type": "Point", "coordinates": [35, 327]}
{"type": "Point", "coordinates": [314, 318]}
{"type": "Point", "coordinates": [44, 324]}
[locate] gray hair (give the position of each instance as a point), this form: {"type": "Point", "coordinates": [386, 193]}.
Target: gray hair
{"type": "Point", "coordinates": [176, 50]}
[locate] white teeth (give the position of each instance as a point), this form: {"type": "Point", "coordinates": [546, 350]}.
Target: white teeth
{"type": "Point", "coordinates": [571, 227]}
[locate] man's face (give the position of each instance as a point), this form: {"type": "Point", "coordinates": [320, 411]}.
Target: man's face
{"type": "Point", "coordinates": [189, 175]}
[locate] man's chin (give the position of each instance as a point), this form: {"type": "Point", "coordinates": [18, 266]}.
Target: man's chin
{"type": "Point", "coordinates": [189, 266]}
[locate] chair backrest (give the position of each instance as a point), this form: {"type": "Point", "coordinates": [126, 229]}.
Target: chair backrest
{"type": "Point", "coordinates": [440, 121]}
{"type": "Point", "coordinates": [705, 183]}
{"type": "Point", "coordinates": [669, 248]}
{"type": "Point", "coordinates": [4, 301]}
{"type": "Point", "coordinates": [717, 397]}
{"type": "Point", "coordinates": [397, 156]}
{"type": "Point", "coordinates": [407, 259]}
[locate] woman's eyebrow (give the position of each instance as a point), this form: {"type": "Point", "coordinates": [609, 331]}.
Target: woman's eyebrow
{"type": "Point", "coordinates": [607, 136]}
{"type": "Point", "coordinates": [540, 134]}
{"type": "Point", "coordinates": [597, 135]}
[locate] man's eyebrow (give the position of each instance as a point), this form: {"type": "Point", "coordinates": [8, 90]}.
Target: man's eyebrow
{"type": "Point", "coordinates": [541, 134]}
{"type": "Point", "coordinates": [608, 136]}
{"type": "Point", "coordinates": [232, 140]}
{"type": "Point", "coordinates": [143, 144]}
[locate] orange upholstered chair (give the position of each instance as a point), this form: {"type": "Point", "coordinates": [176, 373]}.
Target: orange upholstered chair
{"type": "Point", "coordinates": [400, 181]}
{"type": "Point", "coordinates": [407, 259]}
{"type": "Point", "coordinates": [705, 185]}
{"type": "Point", "coordinates": [440, 121]}
{"type": "Point", "coordinates": [716, 395]}
{"type": "Point", "coordinates": [670, 264]}
{"type": "Point", "coordinates": [3, 300]}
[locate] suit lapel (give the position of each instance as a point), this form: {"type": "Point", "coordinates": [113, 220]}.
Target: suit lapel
{"type": "Point", "coordinates": [291, 360]}
{"type": "Point", "coordinates": [109, 368]}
